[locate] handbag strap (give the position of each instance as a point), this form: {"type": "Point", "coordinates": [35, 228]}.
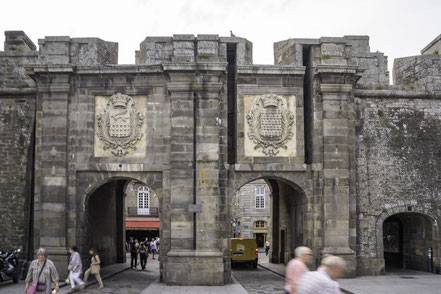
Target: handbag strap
{"type": "Point", "coordinates": [44, 264]}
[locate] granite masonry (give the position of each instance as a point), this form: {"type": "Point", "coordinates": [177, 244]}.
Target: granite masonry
{"type": "Point", "coordinates": [351, 162]}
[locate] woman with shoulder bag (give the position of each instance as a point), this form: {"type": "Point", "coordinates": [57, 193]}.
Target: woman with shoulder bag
{"type": "Point", "coordinates": [94, 268]}
{"type": "Point", "coordinates": [41, 274]}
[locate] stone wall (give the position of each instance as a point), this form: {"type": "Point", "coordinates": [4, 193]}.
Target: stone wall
{"type": "Point", "coordinates": [397, 153]}
{"type": "Point", "coordinates": [433, 47]}
{"type": "Point", "coordinates": [188, 48]}
{"type": "Point", "coordinates": [79, 51]}
{"type": "Point", "coordinates": [17, 123]}
{"type": "Point", "coordinates": [17, 117]}
{"type": "Point", "coordinates": [347, 50]}
{"type": "Point", "coordinates": [418, 73]}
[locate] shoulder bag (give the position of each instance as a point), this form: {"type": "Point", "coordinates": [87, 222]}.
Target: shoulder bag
{"type": "Point", "coordinates": [33, 288]}
{"type": "Point", "coordinates": [94, 268]}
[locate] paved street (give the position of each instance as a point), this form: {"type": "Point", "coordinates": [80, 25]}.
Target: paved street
{"type": "Point", "coordinates": [129, 281]}
{"type": "Point", "coordinates": [258, 280]}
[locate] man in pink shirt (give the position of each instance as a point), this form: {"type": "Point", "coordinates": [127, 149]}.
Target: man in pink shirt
{"type": "Point", "coordinates": [296, 268]}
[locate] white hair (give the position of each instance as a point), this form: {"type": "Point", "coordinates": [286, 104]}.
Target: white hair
{"type": "Point", "coordinates": [42, 252]}
{"type": "Point", "coordinates": [334, 261]}
{"type": "Point", "coordinates": [302, 250]}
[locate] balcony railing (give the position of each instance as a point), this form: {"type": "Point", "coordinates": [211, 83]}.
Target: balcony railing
{"type": "Point", "coordinates": [135, 211]}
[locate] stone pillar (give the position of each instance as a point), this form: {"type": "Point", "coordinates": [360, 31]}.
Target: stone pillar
{"type": "Point", "coordinates": [51, 175]}
{"type": "Point", "coordinates": [336, 84]}
{"type": "Point", "coordinates": [195, 257]}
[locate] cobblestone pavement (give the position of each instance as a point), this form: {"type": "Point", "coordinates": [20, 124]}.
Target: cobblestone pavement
{"type": "Point", "coordinates": [129, 281]}
{"type": "Point", "coordinates": [258, 281]}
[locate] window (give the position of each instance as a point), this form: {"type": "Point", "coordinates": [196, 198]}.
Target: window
{"type": "Point", "coordinates": [260, 224]}
{"type": "Point", "coordinates": [143, 200]}
{"type": "Point", "coordinates": [260, 197]}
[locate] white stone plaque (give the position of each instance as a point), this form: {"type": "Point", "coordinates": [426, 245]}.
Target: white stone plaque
{"type": "Point", "coordinates": [120, 126]}
{"type": "Point", "coordinates": [270, 125]}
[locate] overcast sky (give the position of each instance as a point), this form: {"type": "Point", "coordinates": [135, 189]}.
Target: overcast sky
{"type": "Point", "coordinates": [397, 28]}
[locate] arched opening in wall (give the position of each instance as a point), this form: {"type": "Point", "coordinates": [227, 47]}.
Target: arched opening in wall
{"type": "Point", "coordinates": [267, 212]}
{"type": "Point", "coordinates": [115, 211]}
{"type": "Point", "coordinates": [407, 240]}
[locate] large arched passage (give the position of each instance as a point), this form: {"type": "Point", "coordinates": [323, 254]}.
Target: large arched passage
{"type": "Point", "coordinates": [103, 213]}
{"type": "Point", "coordinates": [408, 237]}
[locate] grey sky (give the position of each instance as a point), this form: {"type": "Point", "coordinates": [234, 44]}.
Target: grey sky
{"type": "Point", "coordinates": [397, 28]}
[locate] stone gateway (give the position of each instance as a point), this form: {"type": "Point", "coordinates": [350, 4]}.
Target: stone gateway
{"type": "Point", "coordinates": [351, 162]}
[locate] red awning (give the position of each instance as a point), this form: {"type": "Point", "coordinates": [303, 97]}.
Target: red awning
{"type": "Point", "coordinates": [136, 223]}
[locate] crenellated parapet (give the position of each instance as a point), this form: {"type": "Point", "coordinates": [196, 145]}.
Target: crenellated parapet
{"type": "Point", "coordinates": [190, 48]}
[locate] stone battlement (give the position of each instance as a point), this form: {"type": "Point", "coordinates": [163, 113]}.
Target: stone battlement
{"type": "Point", "coordinates": [188, 48]}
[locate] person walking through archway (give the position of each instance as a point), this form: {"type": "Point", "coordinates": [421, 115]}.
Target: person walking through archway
{"type": "Point", "coordinates": [143, 254]}
{"type": "Point", "coordinates": [296, 268]}
{"type": "Point", "coordinates": [94, 268]}
{"type": "Point", "coordinates": [153, 247]}
{"type": "Point", "coordinates": [75, 268]}
{"type": "Point", "coordinates": [133, 253]}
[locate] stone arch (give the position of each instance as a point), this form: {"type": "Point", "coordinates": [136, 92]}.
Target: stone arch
{"type": "Point", "coordinates": [297, 180]}
{"type": "Point", "coordinates": [416, 211]}
{"type": "Point", "coordinates": [90, 182]}
{"type": "Point", "coordinates": [297, 214]}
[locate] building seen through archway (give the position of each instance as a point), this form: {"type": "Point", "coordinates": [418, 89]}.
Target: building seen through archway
{"type": "Point", "coordinates": [269, 210]}
{"type": "Point", "coordinates": [142, 212]}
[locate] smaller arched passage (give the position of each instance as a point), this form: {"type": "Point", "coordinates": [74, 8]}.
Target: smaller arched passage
{"type": "Point", "coordinates": [287, 214]}
{"type": "Point", "coordinates": [407, 238]}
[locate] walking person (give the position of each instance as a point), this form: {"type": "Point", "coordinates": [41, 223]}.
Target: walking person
{"type": "Point", "coordinates": [296, 268]}
{"type": "Point", "coordinates": [267, 247]}
{"type": "Point", "coordinates": [75, 268]}
{"type": "Point", "coordinates": [153, 247]}
{"type": "Point", "coordinates": [41, 274]}
{"type": "Point", "coordinates": [143, 254]}
{"type": "Point", "coordinates": [133, 253]}
{"type": "Point", "coordinates": [94, 268]}
{"type": "Point", "coordinates": [323, 280]}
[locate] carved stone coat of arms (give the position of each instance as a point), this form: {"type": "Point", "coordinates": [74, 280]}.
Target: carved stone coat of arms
{"type": "Point", "coordinates": [270, 124]}
{"type": "Point", "coordinates": [119, 125]}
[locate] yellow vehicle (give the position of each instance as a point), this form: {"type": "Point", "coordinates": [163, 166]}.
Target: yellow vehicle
{"type": "Point", "coordinates": [244, 250]}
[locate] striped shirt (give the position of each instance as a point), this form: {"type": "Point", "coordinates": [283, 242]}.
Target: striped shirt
{"type": "Point", "coordinates": [318, 282]}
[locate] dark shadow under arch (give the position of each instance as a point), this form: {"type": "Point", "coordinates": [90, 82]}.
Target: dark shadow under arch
{"type": "Point", "coordinates": [407, 237]}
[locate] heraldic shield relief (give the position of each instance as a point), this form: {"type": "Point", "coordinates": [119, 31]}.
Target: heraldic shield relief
{"type": "Point", "coordinates": [271, 124]}
{"type": "Point", "coordinates": [119, 125]}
